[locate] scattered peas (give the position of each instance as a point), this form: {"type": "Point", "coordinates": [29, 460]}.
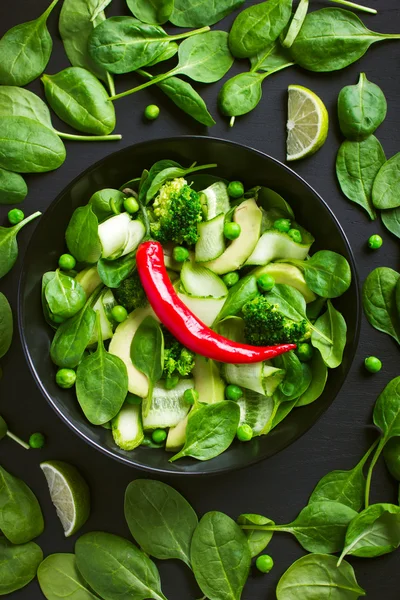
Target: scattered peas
{"type": "Point", "coordinates": [119, 313]}
{"type": "Point", "coordinates": [65, 378]}
{"type": "Point", "coordinates": [230, 279]}
{"type": "Point", "coordinates": [233, 392]}
{"type": "Point", "coordinates": [264, 563]}
{"type": "Point", "coordinates": [304, 352]}
{"type": "Point", "coordinates": [244, 433]}
{"type": "Point", "coordinates": [171, 381]}
{"type": "Point", "coordinates": [151, 112]}
{"type": "Point", "coordinates": [295, 235]}
{"type": "Point", "coordinates": [265, 282]}
{"type": "Point", "coordinates": [191, 396]}
{"type": "Point", "coordinates": [66, 262]}
{"type": "Point", "coordinates": [15, 216]}
{"type": "Point", "coordinates": [235, 189]}
{"type": "Point", "coordinates": [232, 230]}
{"type": "Point", "coordinates": [133, 399]}
{"type": "Point", "coordinates": [375, 242]}
{"type": "Point", "coordinates": [180, 254]}
{"type": "Point", "coordinates": [159, 435]}
{"type": "Point", "coordinates": [37, 441]}
{"type": "Point", "coordinates": [282, 225]}
{"type": "Point", "coordinates": [373, 364]}
{"type": "Point", "coordinates": [131, 205]}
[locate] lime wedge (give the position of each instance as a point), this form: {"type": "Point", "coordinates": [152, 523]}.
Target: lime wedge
{"type": "Point", "coordinates": [69, 493]}
{"type": "Point", "coordinates": [308, 123]}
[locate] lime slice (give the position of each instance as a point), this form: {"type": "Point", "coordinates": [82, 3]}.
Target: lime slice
{"type": "Point", "coordinates": [69, 493]}
{"type": "Point", "coordinates": [308, 123]}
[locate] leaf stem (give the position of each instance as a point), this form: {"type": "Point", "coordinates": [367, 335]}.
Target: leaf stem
{"type": "Point", "coordinates": [377, 454]}
{"type": "Point", "coordinates": [330, 342]}
{"type": "Point", "coordinates": [366, 9]}
{"type": "Point", "coordinates": [181, 36]}
{"type": "Point", "coordinates": [153, 81]}
{"type": "Point", "coordinates": [28, 220]}
{"type": "Point", "coordinates": [48, 10]}
{"type": "Point", "coordinates": [88, 138]}
{"type": "Point", "coordinates": [232, 121]}
{"type": "Point", "coordinates": [18, 440]}
{"type": "Point", "coordinates": [366, 456]}
{"type": "Point", "coordinates": [110, 83]}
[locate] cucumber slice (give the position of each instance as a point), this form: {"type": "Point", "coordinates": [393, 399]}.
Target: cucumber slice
{"type": "Point", "coordinates": [289, 275]}
{"type": "Point", "coordinates": [201, 282]}
{"type": "Point", "coordinates": [211, 242]}
{"type": "Point", "coordinates": [106, 328]}
{"type": "Point", "coordinates": [109, 302]}
{"type": "Point", "coordinates": [120, 235]}
{"type": "Point", "coordinates": [255, 410]}
{"type": "Point", "coordinates": [274, 244]}
{"type": "Point", "coordinates": [260, 377]}
{"type": "Point", "coordinates": [217, 200]}
{"type": "Point", "coordinates": [89, 279]}
{"type": "Point", "coordinates": [177, 436]}
{"type": "Point", "coordinates": [127, 427]}
{"type": "Point", "coordinates": [168, 407]}
{"type": "Point", "coordinates": [205, 309]}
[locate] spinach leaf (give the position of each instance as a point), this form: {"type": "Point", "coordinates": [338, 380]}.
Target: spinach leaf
{"type": "Point", "coordinates": [391, 220]}
{"type": "Point", "coordinates": [59, 577]}
{"type": "Point", "coordinates": [295, 24]}
{"type": "Point", "coordinates": [153, 12]}
{"type": "Point", "coordinates": [28, 146]}
{"type": "Point", "coordinates": [327, 273]}
{"type": "Point", "coordinates": [64, 295]}
{"type": "Point", "coordinates": [220, 557]}
{"type": "Point", "coordinates": [315, 308]}
{"type": "Point", "coordinates": [190, 13]}
{"type": "Point", "coordinates": [82, 235]}
{"type": "Point", "coordinates": [387, 411]}
{"type": "Point", "coordinates": [243, 291]}
{"type": "Point", "coordinates": [257, 540]}
{"type": "Point", "coordinates": [385, 189]}
{"type": "Point", "coordinates": [374, 532]}
{"type": "Point", "coordinates": [160, 519]}
{"type": "Point", "coordinates": [344, 40]}
{"type": "Point", "coordinates": [100, 7]}
{"type": "Point", "coordinates": [257, 26]}
{"type": "Point", "coordinates": [113, 272]}
{"type": "Point", "coordinates": [170, 173]}
{"type": "Point", "coordinates": [379, 301]}
{"type": "Point", "coordinates": [357, 165]}
{"type": "Point", "coordinates": [319, 372]}
{"type": "Point", "coordinates": [101, 383]}
{"type": "Point", "coordinates": [25, 50]}
{"type": "Point", "coordinates": [79, 99]}
{"type": "Point", "coordinates": [18, 565]}
{"type": "Point", "coordinates": [106, 203]}
{"type": "Point", "coordinates": [21, 518]}
{"type": "Point", "coordinates": [6, 325]}
{"type": "Point", "coordinates": [293, 375]}
{"type": "Point", "coordinates": [333, 326]}
{"type": "Point", "coordinates": [148, 176]}
{"type": "Point", "coordinates": [9, 246]}
{"type": "Point", "coordinates": [269, 58]}
{"type": "Point", "coordinates": [166, 54]}
{"type": "Point", "coordinates": [317, 576]}
{"type": "Point", "coordinates": [19, 102]}
{"type": "Point", "coordinates": [147, 355]}
{"type": "Point", "coordinates": [210, 430]}
{"type": "Point", "coordinates": [50, 319]}
{"type": "Point", "coordinates": [361, 109]}
{"type": "Point", "coordinates": [13, 188]}
{"type": "Point", "coordinates": [114, 567]}
{"type": "Point", "coordinates": [392, 457]}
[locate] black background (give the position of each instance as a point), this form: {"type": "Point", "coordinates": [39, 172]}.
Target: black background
{"type": "Point", "coordinates": [280, 486]}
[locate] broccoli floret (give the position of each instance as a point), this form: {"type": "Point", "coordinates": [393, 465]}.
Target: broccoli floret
{"type": "Point", "coordinates": [175, 213]}
{"type": "Point", "coordinates": [130, 293]}
{"type": "Point", "coordinates": [178, 360]}
{"type": "Point", "coordinates": [265, 325]}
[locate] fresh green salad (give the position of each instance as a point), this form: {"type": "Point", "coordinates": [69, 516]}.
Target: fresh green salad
{"type": "Point", "coordinates": [237, 272]}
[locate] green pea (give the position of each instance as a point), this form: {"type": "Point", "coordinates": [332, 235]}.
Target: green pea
{"type": "Point", "coordinates": [159, 435]}
{"type": "Point", "coordinates": [304, 352]}
{"type": "Point", "coordinates": [66, 262]}
{"type": "Point", "coordinates": [133, 399]}
{"type": "Point", "coordinates": [235, 189]}
{"type": "Point", "coordinates": [232, 230]}
{"type": "Point", "coordinates": [15, 216]}
{"type": "Point", "coordinates": [244, 433]}
{"type": "Point", "coordinates": [65, 378]}
{"type": "Point", "coordinates": [180, 254]}
{"type": "Point", "coordinates": [119, 313]}
{"type": "Point", "coordinates": [191, 396]}
{"type": "Point", "coordinates": [131, 205]}
{"type": "Point", "coordinates": [295, 235]}
{"type": "Point", "coordinates": [375, 242]}
{"type": "Point", "coordinates": [230, 279]}
{"type": "Point", "coordinates": [171, 381]}
{"type": "Point", "coordinates": [233, 392]}
{"type": "Point", "coordinates": [151, 112]}
{"type": "Point", "coordinates": [264, 563]}
{"type": "Point", "coordinates": [373, 364]}
{"type": "Point", "coordinates": [265, 282]}
{"type": "Point", "coordinates": [282, 225]}
{"type": "Point", "coordinates": [37, 440]}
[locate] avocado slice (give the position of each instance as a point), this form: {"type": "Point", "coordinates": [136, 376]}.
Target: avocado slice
{"type": "Point", "coordinates": [289, 275]}
{"type": "Point", "coordinates": [274, 244]}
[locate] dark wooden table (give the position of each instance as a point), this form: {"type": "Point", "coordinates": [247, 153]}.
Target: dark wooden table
{"type": "Point", "coordinates": [280, 486]}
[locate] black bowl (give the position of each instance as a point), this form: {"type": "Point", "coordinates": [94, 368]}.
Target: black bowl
{"type": "Point", "coordinates": [234, 162]}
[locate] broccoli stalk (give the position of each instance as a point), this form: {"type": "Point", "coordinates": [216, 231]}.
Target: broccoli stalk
{"type": "Point", "coordinates": [178, 360]}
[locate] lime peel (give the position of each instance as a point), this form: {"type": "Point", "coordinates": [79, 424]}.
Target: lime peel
{"type": "Point", "coordinates": [308, 123]}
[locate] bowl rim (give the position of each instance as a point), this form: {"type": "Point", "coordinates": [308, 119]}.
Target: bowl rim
{"type": "Point", "coordinates": [108, 451]}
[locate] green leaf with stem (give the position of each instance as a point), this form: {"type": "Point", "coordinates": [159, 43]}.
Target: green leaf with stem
{"type": "Point", "coordinates": [5, 432]}
{"type": "Point", "coordinates": [9, 245]}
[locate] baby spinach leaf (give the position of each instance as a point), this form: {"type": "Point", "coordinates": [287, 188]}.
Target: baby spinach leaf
{"type": "Point", "coordinates": [391, 220]}
{"type": "Point", "coordinates": [295, 24]}
{"type": "Point", "coordinates": [59, 577]}
{"type": "Point", "coordinates": [385, 189]}
{"type": "Point", "coordinates": [153, 12]}
{"type": "Point", "coordinates": [357, 165]}
{"type": "Point", "coordinates": [147, 355]}
{"type": "Point", "coordinates": [210, 430]}
{"type": "Point", "coordinates": [293, 375]}
{"type": "Point", "coordinates": [315, 308]}
{"type": "Point", "coordinates": [269, 58]}
{"type": "Point", "coordinates": [166, 54]}
{"type": "Point", "coordinates": [333, 326]}
{"type": "Point", "coordinates": [113, 272]}
{"type": "Point", "coordinates": [284, 408]}
{"type": "Point", "coordinates": [379, 301]}
{"type": "Point", "coordinates": [257, 26]}
{"type": "Point", "coordinates": [344, 40]}
{"type": "Point", "coordinates": [387, 410]}
{"type": "Point", "coordinates": [327, 273]}
{"type": "Point", "coordinates": [160, 519]}
{"type": "Point", "coordinates": [18, 565]}
{"type": "Point", "coordinates": [6, 325]}
{"type": "Point", "coordinates": [220, 557]}
{"type": "Point", "coordinates": [64, 295]}
{"type": "Point", "coordinates": [361, 109]}
{"type": "Point", "coordinates": [113, 567]}
{"type": "Point", "coordinates": [79, 99]}
{"type": "Point", "coordinates": [170, 173]}
{"type": "Point", "coordinates": [317, 576]}
{"type": "Point", "coordinates": [13, 188]}
{"type": "Point", "coordinates": [319, 372]}
{"type": "Point", "coordinates": [243, 291]}
{"type": "Point", "coordinates": [100, 7]}
{"type": "Point", "coordinates": [82, 235]}
{"type": "Point", "coordinates": [191, 13]}
{"type": "Point", "coordinates": [25, 50]}
{"type": "Point", "coordinates": [106, 203]}
{"type": "Point", "coordinates": [148, 176]}
{"type": "Point", "coordinates": [28, 146]}
{"type": "Point", "coordinates": [9, 246]}
{"type": "Point", "coordinates": [21, 517]}
{"type": "Point", "coordinates": [101, 383]}
{"type": "Point", "coordinates": [392, 457]}
{"type": "Point", "coordinates": [18, 102]}
{"type": "Point", "coordinates": [257, 540]}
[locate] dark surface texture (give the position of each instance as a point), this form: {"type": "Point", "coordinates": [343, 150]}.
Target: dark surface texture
{"type": "Point", "coordinates": [278, 487]}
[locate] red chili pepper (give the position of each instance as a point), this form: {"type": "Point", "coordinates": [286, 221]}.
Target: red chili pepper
{"type": "Point", "coordinates": [183, 324]}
